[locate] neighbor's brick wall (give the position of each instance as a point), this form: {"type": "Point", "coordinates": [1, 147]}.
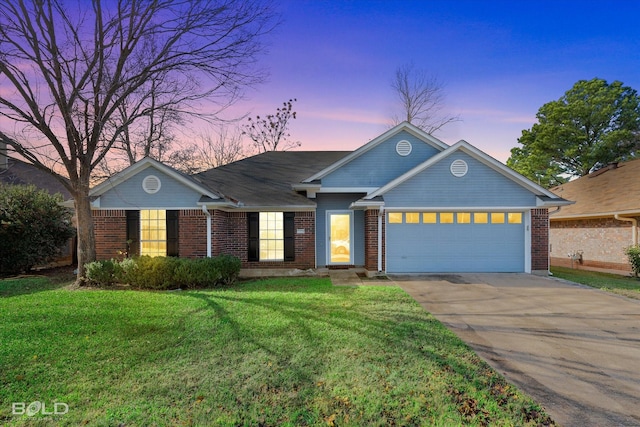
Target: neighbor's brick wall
{"type": "Point", "coordinates": [602, 241]}
{"type": "Point", "coordinates": [192, 235]}
{"type": "Point", "coordinates": [539, 239]}
{"type": "Point", "coordinates": [110, 227]}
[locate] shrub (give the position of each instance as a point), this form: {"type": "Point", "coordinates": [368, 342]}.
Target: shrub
{"type": "Point", "coordinates": [102, 272]}
{"type": "Point", "coordinates": [229, 268]}
{"type": "Point", "coordinates": [153, 273]}
{"type": "Point", "coordinates": [633, 253]}
{"type": "Point", "coordinates": [33, 227]}
{"type": "Point", "coordinates": [161, 273]}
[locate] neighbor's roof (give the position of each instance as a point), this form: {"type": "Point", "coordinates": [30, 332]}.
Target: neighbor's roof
{"type": "Point", "coordinates": [602, 193]}
{"type": "Point", "coordinates": [265, 179]}
{"type": "Point", "coordinates": [22, 173]}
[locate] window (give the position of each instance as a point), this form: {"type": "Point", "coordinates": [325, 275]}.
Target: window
{"type": "Point", "coordinates": [271, 236]}
{"type": "Point", "coordinates": [480, 218]}
{"type": "Point", "coordinates": [514, 218]}
{"type": "Point", "coordinates": [395, 217]}
{"type": "Point", "coordinates": [413, 217]}
{"type": "Point", "coordinates": [153, 232]}
{"type": "Point", "coordinates": [497, 218]}
{"type": "Point", "coordinates": [463, 217]}
{"type": "Point", "coordinates": [429, 217]}
{"type": "Point", "coordinates": [446, 218]}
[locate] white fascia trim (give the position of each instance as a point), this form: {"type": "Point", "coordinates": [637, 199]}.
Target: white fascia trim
{"type": "Point", "coordinates": [365, 190]}
{"type": "Point", "coordinates": [138, 167]}
{"type": "Point", "coordinates": [459, 208]}
{"type": "Point", "coordinates": [366, 204]}
{"type": "Point", "coordinates": [406, 126]}
{"type": "Point", "coordinates": [611, 214]}
{"type": "Point", "coordinates": [264, 208]}
{"type": "Point", "coordinates": [482, 157]}
{"type": "Point", "coordinates": [553, 203]}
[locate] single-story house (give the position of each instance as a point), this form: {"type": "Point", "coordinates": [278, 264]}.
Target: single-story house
{"type": "Point", "coordinates": [594, 232]}
{"type": "Point", "coordinates": [405, 202]}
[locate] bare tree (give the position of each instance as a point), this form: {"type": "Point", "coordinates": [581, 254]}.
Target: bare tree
{"type": "Point", "coordinates": [216, 148]}
{"type": "Point", "coordinates": [65, 74]}
{"type": "Point", "coordinates": [271, 133]}
{"type": "Point", "coordinates": [420, 97]}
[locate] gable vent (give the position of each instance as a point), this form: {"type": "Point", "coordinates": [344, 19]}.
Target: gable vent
{"type": "Point", "coordinates": [459, 168]}
{"type": "Point", "coordinates": [151, 184]}
{"type": "Point", "coordinates": [403, 148]}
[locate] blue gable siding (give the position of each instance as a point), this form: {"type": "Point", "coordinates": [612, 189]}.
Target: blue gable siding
{"type": "Point", "coordinates": [130, 195]}
{"type": "Point", "coordinates": [481, 186]}
{"type": "Point", "coordinates": [328, 202]}
{"type": "Point", "coordinates": [381, 164]}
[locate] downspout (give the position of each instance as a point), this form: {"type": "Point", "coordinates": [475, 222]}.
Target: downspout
{"type": "Point", "coordinates": [380, 218]}
{"type": "Point", "coordinates": [208, 214]}
{"type": "Point", "coordinates": [634, 227]}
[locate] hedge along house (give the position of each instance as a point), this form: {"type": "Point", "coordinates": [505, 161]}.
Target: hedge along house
{"type": "Point", "coordinates": [405, 202]}
{"type": "Point", "coordinates": [594, 232]}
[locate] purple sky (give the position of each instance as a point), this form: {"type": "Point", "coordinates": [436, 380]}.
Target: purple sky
{"type": "Point", "coordinates": [500, 62]}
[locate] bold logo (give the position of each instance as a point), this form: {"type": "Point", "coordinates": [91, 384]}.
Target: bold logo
{"type": "Point", "coordinates": [33, 408]}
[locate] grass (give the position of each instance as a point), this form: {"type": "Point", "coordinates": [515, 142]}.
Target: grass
{"type": "Point", "coordinates": [294, 351]}
{"type": "Point", "coordinates": [622, 285]}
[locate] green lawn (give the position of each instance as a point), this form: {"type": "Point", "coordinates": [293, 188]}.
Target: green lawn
{"type": "Point", "coordinates": [622, 285]}
{"type": "Point", "coordinates": [268, 352]}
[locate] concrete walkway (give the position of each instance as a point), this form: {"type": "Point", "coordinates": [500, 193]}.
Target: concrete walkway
{"type": "Point", "coordinates": [575, 350]}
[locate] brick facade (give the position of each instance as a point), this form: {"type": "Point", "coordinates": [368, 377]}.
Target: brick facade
{"type": "Point", "coordinates": [110, 228]}
{"type": "Point", "coordinates": [229, 236]}
{"type": "Point", "coordinates": [600, 240]}
{"type": "Point", "coordinates": [371, 240]}
{"type": "Point", "coordinates": [539, 240]}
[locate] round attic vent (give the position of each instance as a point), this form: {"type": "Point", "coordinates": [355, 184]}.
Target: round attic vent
{"type": "Point", "coordinates": [459, 168]}
{"type": "Point", "coordinates": [403, 148]}
{"type": "Point", "coordinates": [151, 184]}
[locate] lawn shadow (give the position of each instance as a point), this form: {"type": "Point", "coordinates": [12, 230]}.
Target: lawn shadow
{"type": "Point", "coordinates": [25, 284]}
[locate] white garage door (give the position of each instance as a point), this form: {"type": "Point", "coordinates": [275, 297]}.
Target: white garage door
{"type": "Point", "coordinates": [435, 242]}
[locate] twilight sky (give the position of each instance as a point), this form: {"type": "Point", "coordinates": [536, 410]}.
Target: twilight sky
{"type": "Point", "coordinates": [500, 62]}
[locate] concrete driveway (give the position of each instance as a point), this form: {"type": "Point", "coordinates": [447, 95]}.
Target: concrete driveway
{"type": "Point", "coordinates": [574, 349]}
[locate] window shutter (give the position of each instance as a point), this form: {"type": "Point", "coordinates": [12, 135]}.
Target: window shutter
{"type": "Point", "coordinates": [172, 233]}
{"type": "Point", "coordinates": [133, 232]}
{"type": "Point", "coordinates": [289, 236]}
{"type": "Point", "coordinates": [253, 224]}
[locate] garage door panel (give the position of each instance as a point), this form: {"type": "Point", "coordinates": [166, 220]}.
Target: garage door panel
{"type": "Point", "coordinates": [418, 248]}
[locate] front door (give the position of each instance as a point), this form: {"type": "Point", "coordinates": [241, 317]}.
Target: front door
{"type": "Point", "coordinates": [339, 230]}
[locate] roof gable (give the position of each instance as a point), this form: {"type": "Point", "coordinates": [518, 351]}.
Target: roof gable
{"type": "Point", "coordinates": [605, 192]}
{"type": "Point", "coordinates": [144, 164]}
{"type": "Point", "coordinates": [353, 156]}
{"type": "Point", "coordinates": [464, 147]}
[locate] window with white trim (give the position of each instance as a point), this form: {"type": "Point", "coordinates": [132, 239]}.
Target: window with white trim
{"type": "Point", "coordinates": [153, 232]}
{"type": "Point", "coordinates": [271, 236]}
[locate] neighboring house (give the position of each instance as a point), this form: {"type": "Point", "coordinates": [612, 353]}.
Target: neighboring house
{"type": "Point", "coordinates": [403, 203]}
{"type": "Point", "coordinates": [17, 172]}
{"type": "Point", "coordinates": [594, 232]}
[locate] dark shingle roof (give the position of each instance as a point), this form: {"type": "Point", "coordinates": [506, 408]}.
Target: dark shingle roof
{"type": "Point", "coordinates": [21, 173]}
{"type": "Point", "coordinates": [266, 179]}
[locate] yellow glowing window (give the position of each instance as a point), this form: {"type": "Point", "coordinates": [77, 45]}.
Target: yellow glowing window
{"type": "Point", "coordinates": [412, 217]}
{"type": "Point", "coordinates": [514, 218]}
{"type": "Point", "coordinates": [480, 218]}
{"type": "Point", "coordinates": [497, 218]}
{"type": "Point", "coordinates": [446, 217]}
{"type": "Point", "coordinates": [463, 217]}
{"type": "Point", "coordinates": [153, 232]}
{"type": "Point", "coordinates": [395, 217]}
{"type": "Point", "coordinates": [271, 236]}
{"type": "Point", "coordinates": [429, 217]}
